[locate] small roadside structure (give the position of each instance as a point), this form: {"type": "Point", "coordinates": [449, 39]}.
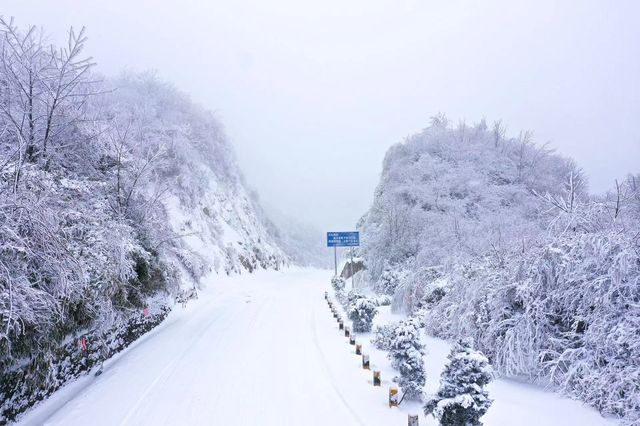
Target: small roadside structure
{"type": "Point", "coordinates": [352, 267]}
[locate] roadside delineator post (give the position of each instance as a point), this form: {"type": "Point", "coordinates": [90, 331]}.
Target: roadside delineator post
{"type": "Point", "coordinates": [393, 396]}
{"type": "Point", "coordinates": [352, 339]}
{"type": "Point", "coordinates": [376, 378]}
{"type": "Point", "coordinates": [365, 361]}
{"type": "Point", "coordinates": [346, 332]}
{"type": "Point", "coordinates": [326, 295]}
{"type": "Point", "coordinates": [340, 325]}
{"type": "Point", "coordinates": [412, 420]}
{"type": "Point", "coordinates": [358, 349]}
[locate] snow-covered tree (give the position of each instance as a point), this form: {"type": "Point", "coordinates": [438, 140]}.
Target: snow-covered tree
{"type": "Point", "coordinates": [462, 399]}
{"type": "Point", "coordinates": [445, 196]}
{"type": "Point", "coordinates": [338, 283]}
{"type": "Point", "coordinates": [349, 298]}
{"type": "Point", "coordinates": [362, 311]}
{"type": "Point", "coordinates": [383, 336]}
{"type": "Point", "coordinates": [388, 282]}
{"type": "Point", "coordinates": [111, 192]}
{"type": "Point", "coordinates": [406, 355]}
{"type": "Point", "coordinates": [498, 239]}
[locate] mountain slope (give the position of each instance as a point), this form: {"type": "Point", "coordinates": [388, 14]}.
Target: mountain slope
{"type": "Point", "coordinates": [116, 198]}
{"type": "Point", "coordinates": [447, 195]}
{"type": "Point", "coordinates": [205, 197]}
{"type": "Point", "coordinates": [496, 239]}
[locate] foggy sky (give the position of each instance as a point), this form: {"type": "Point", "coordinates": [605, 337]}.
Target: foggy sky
{"type": "Point", "coordinates": [313, 93]}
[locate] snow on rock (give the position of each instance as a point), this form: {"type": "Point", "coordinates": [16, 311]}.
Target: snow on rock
{"type": "Point", "coordinates": [209, 207]}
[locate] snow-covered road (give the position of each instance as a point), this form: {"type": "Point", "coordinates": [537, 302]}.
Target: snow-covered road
{"type": "Point", "coordinates": [259, 349]}
{"type": "Point", "coordinates": [248, 352]}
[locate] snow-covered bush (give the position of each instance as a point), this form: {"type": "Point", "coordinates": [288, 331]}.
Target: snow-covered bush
{"type": "Point", "coordinates": [388, 282]}
{"type": "Point", "coordinates": [565, 311]}
{"type": "Point", "coordinates": [353, 295]}
{"type": "Point", "coordinates": [338, 283]}
{"type": "Point", "coordinates": [461, 399]}
{"type": "Point", "coordinates": [382, 300]}
{"type": "Point", "coordinates": [418, 289]}
{"type": "Point", "coordinates": [362, 311]}
{"type": "Point", "coordinates": [406, 355]}
{"type": "Point", "coordinates": [383, 335]}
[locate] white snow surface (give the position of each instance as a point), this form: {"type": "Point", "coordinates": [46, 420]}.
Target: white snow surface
{"type": "Point", "coordinates": [264, 349]}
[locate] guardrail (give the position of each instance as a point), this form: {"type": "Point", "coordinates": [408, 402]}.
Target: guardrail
{"type": "Point", "coordinates": [394, 398]}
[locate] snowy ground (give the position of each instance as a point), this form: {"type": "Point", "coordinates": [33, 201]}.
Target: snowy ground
{"type": "Point", "coordinates": [263, 349]}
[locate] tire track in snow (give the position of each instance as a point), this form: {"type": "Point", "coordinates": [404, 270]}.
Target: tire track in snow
{"type": "Point", "coordinates": [331, 379]}
{"type": "Point", "coordinates": [169, 369]}
{"type": "Point", "coordinates": [233, 387]}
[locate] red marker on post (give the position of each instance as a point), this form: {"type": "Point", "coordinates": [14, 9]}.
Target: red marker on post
{"type": "Point", "coordinates": [83, 344]}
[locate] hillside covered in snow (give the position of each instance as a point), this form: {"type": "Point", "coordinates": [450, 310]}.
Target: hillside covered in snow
{"type": "Point", "coordinates": [115, 196]}
{"type": "Point", "coordinates": [495, 238]}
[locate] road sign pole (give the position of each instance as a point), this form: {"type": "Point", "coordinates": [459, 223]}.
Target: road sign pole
{"type": "Point", "coordinates": [342, 239]}
{"type": "Point", "coordinates": [351, 269]}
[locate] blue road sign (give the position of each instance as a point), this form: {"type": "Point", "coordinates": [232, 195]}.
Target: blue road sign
{"type": "Point", "coordinates": [343, 239]}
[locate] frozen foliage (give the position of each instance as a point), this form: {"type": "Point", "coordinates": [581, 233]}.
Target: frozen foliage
{"type": "Point", "coordinates": [212, 215]}
{"type": "Point", "coordinates": [462, 399]}
{"type": "Point", "coordinates": [383, 335]}
{"type": "Point", "coordinates": [447, 195]}
{"type": "Point", "coordinates": [565, 309]}
{"type": "Point", "coordinates": [362, 311]}
{"type": "Point", "coordinates": [353, 295]}
{"type": "Point", "coordinates": [406, 354]}
{"type": "Point", "coordinates": [419, 289]}
{"type": "Point", "coordinates": [382, 300]}
{"type": "Point", "coordinates": [499, 241]}
{"type": "Point", "coordinates": [338, 284]}
{"type": "Point", "coordinates": [388, 282]}
{"type": "Point", "coordinates": [110, 192]}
